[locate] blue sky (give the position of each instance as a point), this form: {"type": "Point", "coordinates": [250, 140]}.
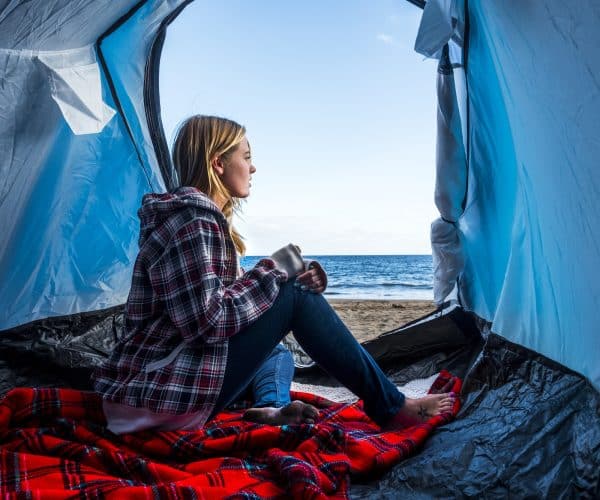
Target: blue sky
{"type": "Point", "coordinates": [340, 113]}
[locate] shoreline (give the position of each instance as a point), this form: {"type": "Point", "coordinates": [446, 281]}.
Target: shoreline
{"type": "Point", "coordinates": [331, 299]}
{"type": "Point", "coordinates": [369, 318]}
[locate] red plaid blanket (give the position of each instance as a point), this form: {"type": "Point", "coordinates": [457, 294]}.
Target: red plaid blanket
{"type": "Point", "coordinates": [54, 444]}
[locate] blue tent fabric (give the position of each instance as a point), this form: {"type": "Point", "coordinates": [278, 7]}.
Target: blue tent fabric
{"type": "Point", "coordinates": [527, 234]}
{"type": "Point", "coordinates": [69, 197]}
{"type": "Point", "coordinates": [530, 228]}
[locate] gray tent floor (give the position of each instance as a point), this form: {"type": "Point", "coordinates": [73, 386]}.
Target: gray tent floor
{"type": "Point", "coordinates": [528, 428]}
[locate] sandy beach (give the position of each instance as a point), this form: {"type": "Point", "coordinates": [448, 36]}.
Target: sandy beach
{"type": "Point", "coordinates": [367, 319]}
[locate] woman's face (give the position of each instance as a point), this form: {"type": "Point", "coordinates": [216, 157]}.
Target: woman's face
{"type": "Point", "coordinates": [237, 169]}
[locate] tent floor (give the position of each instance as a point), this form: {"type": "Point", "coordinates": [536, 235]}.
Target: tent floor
{"type": "Point", "coordinates": [528, 428]}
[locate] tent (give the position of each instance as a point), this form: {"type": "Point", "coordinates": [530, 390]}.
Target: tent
{"type": "Point", "coordinates": [516, 245]}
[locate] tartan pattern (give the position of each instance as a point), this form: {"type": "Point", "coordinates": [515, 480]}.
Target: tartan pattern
{"type": "Point", "coordinates": [185, 302]}
{"type": "Point", "coordinates": [53, 444]}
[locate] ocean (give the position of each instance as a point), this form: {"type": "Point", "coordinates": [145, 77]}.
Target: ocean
{"type": "Point", "coordinates": [375, 277]}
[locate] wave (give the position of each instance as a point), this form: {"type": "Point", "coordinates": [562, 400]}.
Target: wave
{"type": "Point", "coordinates": [383, 285]}
{"type": "Point", "coordinates": [407, 285]}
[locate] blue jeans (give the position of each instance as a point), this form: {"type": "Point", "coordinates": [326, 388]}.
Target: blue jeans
{"type": "Point", "coordinates": [324, 337]}
{"type": "Point", "coordinates": [271, 383]}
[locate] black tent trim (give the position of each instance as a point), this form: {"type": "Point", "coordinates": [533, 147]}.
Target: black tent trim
{"type": "Point", "coordinates": [111, 84]}
{"type": "Point", "coordinates": [152, 100]}
{"type": "Point", "coordinates": [418, 3]}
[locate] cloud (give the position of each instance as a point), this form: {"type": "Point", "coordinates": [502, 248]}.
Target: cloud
{"type": "Point", "coordinates": [387, 39]}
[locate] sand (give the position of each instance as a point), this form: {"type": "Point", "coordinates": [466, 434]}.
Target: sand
{"type": "Point", "coordinates": [367, 319]}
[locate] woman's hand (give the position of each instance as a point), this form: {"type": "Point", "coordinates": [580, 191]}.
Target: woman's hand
{"type": "Point", "coordinates": [314, 278]}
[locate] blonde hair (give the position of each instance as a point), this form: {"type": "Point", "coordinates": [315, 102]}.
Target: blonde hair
{"type": "Point", "coordinates": [199, 140]}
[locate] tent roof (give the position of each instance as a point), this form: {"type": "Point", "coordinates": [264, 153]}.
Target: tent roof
{"type": "Point", "coordinates": [52, 25]}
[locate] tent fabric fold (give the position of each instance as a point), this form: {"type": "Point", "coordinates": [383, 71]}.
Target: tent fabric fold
{"type": "Point", "coordinates": [77, 90]}
{"type": "Point", "coordinates": [448, 258]}
{"type": "Point", "coordinates": [440, 36]}
{"type": "Point", "coordinates": [450, 185]}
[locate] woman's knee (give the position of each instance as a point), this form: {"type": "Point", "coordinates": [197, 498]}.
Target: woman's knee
{"type": "Point", "coordinates": [301, 305]}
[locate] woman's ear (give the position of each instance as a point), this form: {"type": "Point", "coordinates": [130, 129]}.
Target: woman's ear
{"type": "Point", "coordinates": [218, 165]}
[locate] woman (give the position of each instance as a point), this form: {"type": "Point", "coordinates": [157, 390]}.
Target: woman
{"type": "Point", "coordinates": [196, 333]}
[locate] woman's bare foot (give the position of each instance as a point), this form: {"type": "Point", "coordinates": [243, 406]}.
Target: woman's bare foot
{"type": "Point", "coordinates": [417, 411]}
{"type": "Point", "coordinates": [296, 412]}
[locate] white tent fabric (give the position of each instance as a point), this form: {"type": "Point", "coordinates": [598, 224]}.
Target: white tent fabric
{"type": "Point", "coordinates": [441, 36]}
{"type": "Point", "coordinates": [442, 23]}
{"type": "Point", "coordinates": [76, 86]}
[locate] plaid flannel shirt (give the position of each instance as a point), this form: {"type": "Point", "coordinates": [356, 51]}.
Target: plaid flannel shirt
{"type": "Point", "coordinates": [185, 302]}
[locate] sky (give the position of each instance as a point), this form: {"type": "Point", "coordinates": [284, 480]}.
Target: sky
{"type": "Point", "coordinates": [339, 110]}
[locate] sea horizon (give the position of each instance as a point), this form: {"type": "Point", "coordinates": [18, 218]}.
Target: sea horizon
{"type": "Point", "coordinates": [373, 276]}
{"type": "Point", "coordinates": [352, 255]}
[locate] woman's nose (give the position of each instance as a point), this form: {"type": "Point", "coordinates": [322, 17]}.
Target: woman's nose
{"type": "Point", "coordinates": [252, 169]}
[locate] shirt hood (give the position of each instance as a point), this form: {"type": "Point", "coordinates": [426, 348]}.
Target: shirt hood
{"type": "Point", "coordinates": [158, 207]}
